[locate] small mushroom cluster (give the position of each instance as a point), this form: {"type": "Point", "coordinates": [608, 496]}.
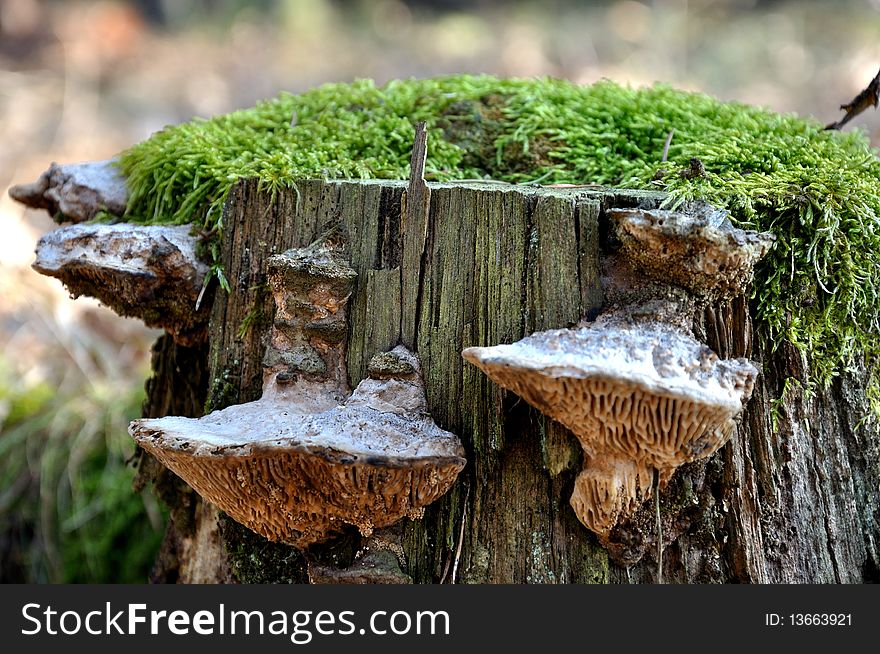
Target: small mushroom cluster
{"type": "Point", "coordinates": [639, 392]}
{"type": "Point", "coordinates": [310, 457]}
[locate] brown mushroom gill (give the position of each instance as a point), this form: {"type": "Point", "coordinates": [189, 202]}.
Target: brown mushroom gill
{"type": "Point", "coordinates": [639, 398]}
{"type": "Point", "coordinates": [310, 457]}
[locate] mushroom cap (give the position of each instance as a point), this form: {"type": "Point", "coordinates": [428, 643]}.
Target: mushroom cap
{"type": "Point", "coordinates": [77, 191]}
{"type": "Point", "coordinates": [348, 433]}
{"type": "Point", "coordinates": [319, 271]}
{"type": "Point", "coordinates": [146, 271]}
{"type": "Point", "coordinates": [651, 356]}
{"type": "Point", "coordinates": [699, 250]}
{"type": "Point", "coordinates": [295, 476]}
{"type": "Point", "coordinates": [644, 390]}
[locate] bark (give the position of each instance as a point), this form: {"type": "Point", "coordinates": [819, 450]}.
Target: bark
{"type": "Point", "coordinates": [793, 497]}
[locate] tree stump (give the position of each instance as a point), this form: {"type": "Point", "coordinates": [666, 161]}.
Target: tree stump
{"type": "Point", "coordinates": [793, 497]}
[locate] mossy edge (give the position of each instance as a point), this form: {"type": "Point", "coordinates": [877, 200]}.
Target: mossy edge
{"type": "Point", "coordinates": [817, 190]}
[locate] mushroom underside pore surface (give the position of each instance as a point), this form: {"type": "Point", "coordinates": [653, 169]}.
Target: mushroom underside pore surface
{"type": "Point", "coordinates": [308, 479]}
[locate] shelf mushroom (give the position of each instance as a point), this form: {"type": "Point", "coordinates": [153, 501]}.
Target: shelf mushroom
{"type": "Point", "coordinates": [150, 272]}
{"type": "Point", "coordinates": [639, 392]}
{"type": "Point", "coordinates": [639, 398]}
{"type": "Point", "coordinates": [310, 457]}
{"type": "Point", "coordinates": [698, 250]}
{"type": "Point", "coordinates": [76, 192]}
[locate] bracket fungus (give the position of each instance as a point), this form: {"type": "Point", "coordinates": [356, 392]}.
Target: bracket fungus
{"type": "Point", "coordinates": [76, 191]}
{"type": "Point", "coordinates": [699, 250]}
{"type": "Point", "coordinates": [310, 457]}
{"type": "Point", "coordinates": [639, 392]}
{"type": "Point", "coordinates": [149, 272]}
{"type": "Point", "coordinates": [639, 396]}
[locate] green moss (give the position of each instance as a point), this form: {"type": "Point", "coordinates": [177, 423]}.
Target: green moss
{"type": "Point", "coordinates": [818, 191]}
{"type": "Point", "coordinates": [223, 392]}
{"type": "Point", "coordinates": [255, 560]}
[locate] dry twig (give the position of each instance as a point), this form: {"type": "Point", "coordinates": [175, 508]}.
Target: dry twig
{"type": "Point", "coordinates": [867, 98]}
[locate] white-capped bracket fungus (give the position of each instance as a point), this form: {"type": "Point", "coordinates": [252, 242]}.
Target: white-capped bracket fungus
{"type": "Point", "coordinates": [639, 396]}
{"type": "Point", "coordinates": [76, 192]}
{"type": "Point", "coordinates": [638, 391]}
{"type": "Point", "coordinates": [148, 272]}
{"type": "Point", "coordinates": [699, 250]}
{"type": "Point", "coordinates": [310, 457]}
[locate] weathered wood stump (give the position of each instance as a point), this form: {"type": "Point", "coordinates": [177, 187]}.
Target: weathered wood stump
{"type": "Point", "coordinates": [793, 497]}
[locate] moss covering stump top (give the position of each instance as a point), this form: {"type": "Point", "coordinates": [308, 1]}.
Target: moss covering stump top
{"type": "Point", "coordinates": [817, 190]}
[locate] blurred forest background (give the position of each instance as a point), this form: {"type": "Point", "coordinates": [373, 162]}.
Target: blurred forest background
{"type": "Point", "coordinates": [81, 80]}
